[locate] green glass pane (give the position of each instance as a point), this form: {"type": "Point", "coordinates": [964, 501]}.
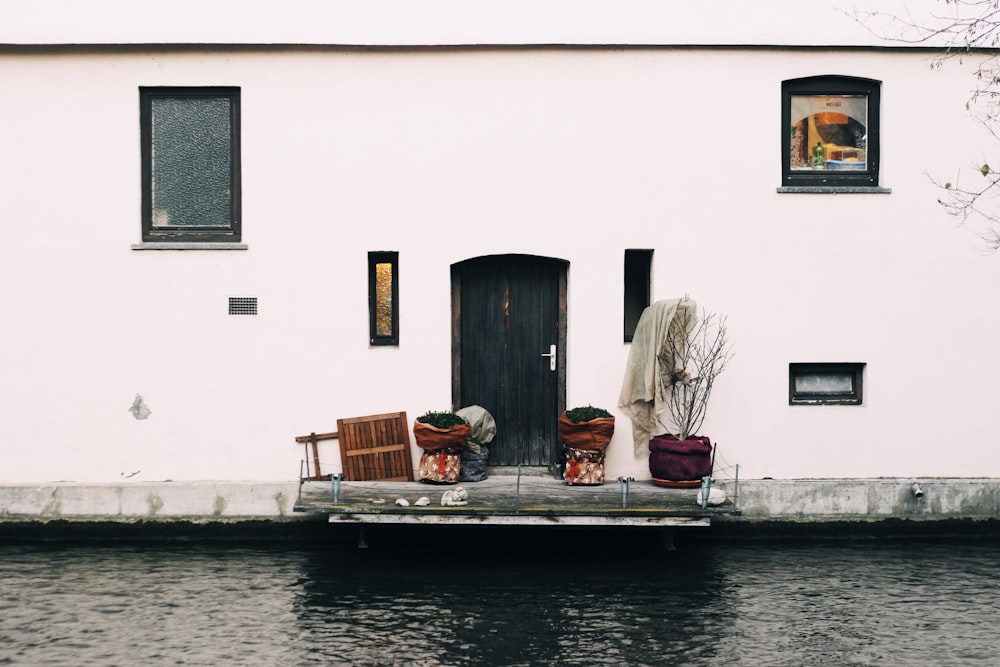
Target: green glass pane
{"type": "Point", "coordinates": [192, 171]}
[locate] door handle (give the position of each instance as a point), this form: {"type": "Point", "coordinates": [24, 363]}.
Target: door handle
{"type": "Point", "coordinates": [552, 357]}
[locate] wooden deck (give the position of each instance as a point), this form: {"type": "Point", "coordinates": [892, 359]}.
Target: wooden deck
{"type": "Point", "coordinates": [510, 500]}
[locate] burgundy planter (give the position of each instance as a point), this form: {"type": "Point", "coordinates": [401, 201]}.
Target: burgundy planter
{"type": "Point", "coordinates": [683, 461]}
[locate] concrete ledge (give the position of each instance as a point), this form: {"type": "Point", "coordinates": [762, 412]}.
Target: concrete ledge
{"type": "Point", "coordinates": [759, 501]}
{"type": "Point", "coordinates": [163, 501]}
{"type": "Point", "coordinates": [826, 500]}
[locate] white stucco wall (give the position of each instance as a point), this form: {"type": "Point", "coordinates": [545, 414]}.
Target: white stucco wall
{"type": "Point", "coordinates": [454, 22]}
{"type": "Point", "coordinates": [449, 154]}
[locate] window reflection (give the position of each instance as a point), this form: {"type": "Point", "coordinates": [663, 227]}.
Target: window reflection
{"type": "Point", "coordinates": [824, 383]}
{"type": "Point", "coordinates": [829, 132]}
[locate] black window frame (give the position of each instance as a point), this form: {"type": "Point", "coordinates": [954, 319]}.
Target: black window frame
{"type": "Point", "coordinates": [831, 84]}
{"type": "Point", "coordinates": [638, 272]}
{"type": "Point", "coordinates": [190, 234]}
{"type": "Point", "coordinates": [853, 397]}
{"type": "Point", "coordinates": [374, 259]}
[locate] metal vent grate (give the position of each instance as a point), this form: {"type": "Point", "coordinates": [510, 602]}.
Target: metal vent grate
{"type": "Point", "coordinates": [242, 305]}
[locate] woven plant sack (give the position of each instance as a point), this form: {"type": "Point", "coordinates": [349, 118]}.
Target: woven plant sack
{"type": "Point", "coordinates": [474, 466]}
{"type": "Point", "coordinates": [584, 467]}
{"type": "Point", "coordinates": [432, 439]}
{"type": "Point", "coordinates": [591, 436]}
{"type": "Point", "coordinates": [439, 468]}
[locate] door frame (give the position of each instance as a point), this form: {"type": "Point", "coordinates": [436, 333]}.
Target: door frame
{"type": "Point", "coordinates": [456, 323]}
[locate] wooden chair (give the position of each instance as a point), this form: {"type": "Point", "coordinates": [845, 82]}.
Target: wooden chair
{"type": "Point", "coordinates": [312, 441]}
{"type": "Point", "coordinates": [372, 448]}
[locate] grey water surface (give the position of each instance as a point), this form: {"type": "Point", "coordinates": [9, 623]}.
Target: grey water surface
{"type": "Point", "coordinates": [454, 603]}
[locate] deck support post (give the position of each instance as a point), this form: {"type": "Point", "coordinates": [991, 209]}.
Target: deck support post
{"type": "Point", "coordinates": [362, 539]}
{"type": "Point", "coordinates": [625, 483]}
{"type": "Point", "coordinates": [736, 493]}
{"type": "Point", "coordinates": [335, 484]}
{"type": "Point", "coordinates": [706, 489]}
{"type": "Point", "coordinates": [301, 478]}
{"type": "Point", "coordinates": [667, 539]}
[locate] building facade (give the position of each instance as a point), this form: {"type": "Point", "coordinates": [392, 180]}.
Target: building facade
{"type": "Point", "coordinates": [222, 234]}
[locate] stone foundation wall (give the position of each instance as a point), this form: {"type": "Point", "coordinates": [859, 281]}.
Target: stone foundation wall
{"type": "Point", "coordinates": [759, 501]}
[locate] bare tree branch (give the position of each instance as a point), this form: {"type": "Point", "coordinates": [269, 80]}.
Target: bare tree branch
{"type": "Point", "coordinates": [694, 353]}
{"type": "Point", "coordinates": [966, 30]}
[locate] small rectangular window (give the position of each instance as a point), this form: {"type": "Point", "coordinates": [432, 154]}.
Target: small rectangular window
{"type": "Point", "coordinates": [830, 136]}
{"type": "Point", "coordinates": [190, 146]}
{"type": "Point", "coordinates": [825, 383]}
{"type": "Point", "coordinates": [638, 264]}
{"type": "Point", "coordinates": [383, 298]}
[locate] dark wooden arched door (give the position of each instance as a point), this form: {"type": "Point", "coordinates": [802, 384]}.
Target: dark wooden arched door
{"type": "Point", "coordinates": [508, 315]}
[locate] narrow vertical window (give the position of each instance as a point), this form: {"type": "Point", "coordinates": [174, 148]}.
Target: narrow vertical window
{"type": "Point", "coordinates": [190, 164]}
{"type": "Point", "coordinates": [383, 298]}
{"type": "Point", "coordinates": [637, 275]}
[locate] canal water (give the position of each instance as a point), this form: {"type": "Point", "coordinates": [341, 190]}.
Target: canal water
{"type": "Point", "coordinates": [591, 600]}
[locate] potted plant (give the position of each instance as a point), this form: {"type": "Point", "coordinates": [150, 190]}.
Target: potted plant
{"type": "Point", "coordinates": [585, 432]}
{"type": "Point", "coordinates": [694, 352]}
{"type": "Point", "coordinates": [476, 453]}
{"type": "Point", "coordinates": [442, 436]}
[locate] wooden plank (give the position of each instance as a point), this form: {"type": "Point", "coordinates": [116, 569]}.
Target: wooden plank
{"type": "Point", "coordinates": [506, 500]}
{"type": "Point", "coordinates": [377, 450]}
{"type": "Point", "coordinates": [521, 520]}
{"type": "Point", "coordinates": [382, 471]}
{"type": "Point", "coordinates": [317, 436]}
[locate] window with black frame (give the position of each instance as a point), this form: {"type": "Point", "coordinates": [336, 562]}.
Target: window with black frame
{"type": "Point", "coordinates": [827, 383]}
{"type": "Point", "coordinates": [383, 297]}
{"type": "Point", "coordinates": [190, 164]}
{"type": "Point", "coordinates": [830, 134]}
{"type": "Point", "coordinates": [638, 267]}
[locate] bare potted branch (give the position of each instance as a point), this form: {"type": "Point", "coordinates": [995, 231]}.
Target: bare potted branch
{"type": "Point", "coordinates": [694, 353]}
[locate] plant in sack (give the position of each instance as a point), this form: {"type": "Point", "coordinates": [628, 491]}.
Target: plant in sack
{"type": "Point", "coordinates": [476, 454]}
{"type": "Point", "coordinates": [585, 432]}
{"type": "Point", "coordinates": [694, 352]}
{"type": "Point", "coordinates": [587, 428]}
{"type": "Point", "coordinates": [442, 436]}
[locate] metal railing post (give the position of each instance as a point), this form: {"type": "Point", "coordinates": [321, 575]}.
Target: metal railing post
{"type": "Point", "coordinates": [625, 483]}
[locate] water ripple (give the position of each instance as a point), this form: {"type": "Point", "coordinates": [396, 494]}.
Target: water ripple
{"type": "Point", "coordinates": [860, 604]}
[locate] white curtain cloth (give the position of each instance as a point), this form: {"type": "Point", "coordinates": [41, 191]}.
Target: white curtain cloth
{"type": "Point", "coordinates": [643, 395]}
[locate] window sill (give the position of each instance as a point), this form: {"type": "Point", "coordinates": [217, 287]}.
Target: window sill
{"type": "Point", "coordinates": [834, 189]}
{"type": "Point", "coordinates": [178, 245]}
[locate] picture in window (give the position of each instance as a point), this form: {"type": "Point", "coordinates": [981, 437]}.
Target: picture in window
{"type": "Point", "coordinates": [829, 132]}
